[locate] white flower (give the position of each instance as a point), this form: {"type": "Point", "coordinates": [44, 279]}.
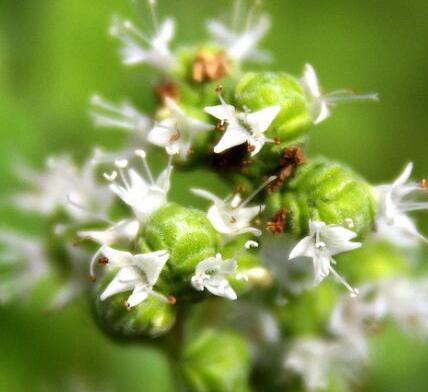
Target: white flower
{"type": "Point", "coordinates": [242, 45]}
{"type": "Point", "coordinates": [393, 202]}
{"type": "Point", "coordinates": [124, 230]}
{"type": "Point", "coordinates": [29, 261]}
{"type": "Point", "coordinates": [123, 116]}
{"type": "Point", "coordinates": [177, 132]}
{"type": "Point", "coordinates": [212, 274]}
{"type": "Point", "coordinates": [138, 48]}
{"type": "Point", "coordinates": [243, 127]}
{"type": "Point", "coordinates": [321, 102]}
{"type": "Point", "coordinates": [316, 359]}
{"type": "Point", "coordinates": [144, 196]}
{"type": "Point", "coordinates": [352, 318]}
{"type": "Point", "coordinates": [322, 243]}
{"type": "Point", "coordinates": [63, 186]}
{"type": "Point", "coordinates": [231, 216]}
{"type": "Point", "coordinates": [137, 273]}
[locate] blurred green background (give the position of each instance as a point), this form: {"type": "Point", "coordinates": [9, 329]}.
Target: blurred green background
{"type": "Point", "coordinates": [55, 53]}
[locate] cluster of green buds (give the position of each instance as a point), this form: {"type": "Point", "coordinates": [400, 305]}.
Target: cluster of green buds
{"type": "Point", "coordinates": [161, 260]}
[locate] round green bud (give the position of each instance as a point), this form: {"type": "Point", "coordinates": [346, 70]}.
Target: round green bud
{"type": "Point", "coordinates": [151, 318]}
{"type": "Point", "coordinates": [258, 90]}
{"type": "Point", "coordinates": [217, 361]}
{"type": "Point", "coordinates": [187, 235]}
{"type": "Point", "coordinates": [373, 261]}
{"type": "Point", "coordinates": [328, 192]}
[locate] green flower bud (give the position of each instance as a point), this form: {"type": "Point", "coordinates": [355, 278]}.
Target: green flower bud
{"type": "Point", "coordinates": [256, 91]}
{"type": "Point", "coordinates": [217, 361]}
{"type": "Point", "coordinates": [187, 235]}
{"type": "Point", "coordinates": [151, 318]}
{"type": "Point", "coordinates": [328, 192]}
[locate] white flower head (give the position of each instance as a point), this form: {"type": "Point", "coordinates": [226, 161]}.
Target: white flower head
{"type": "Point", "coordinates": [29, 262]}
{"type": "Point", "coordinates": [322, 243]}
{"type": "Point", "coordinates": [122, 116]}
{"type": "Point", "coordinates": [212, 274]}
{"type": "Point", "coordinates": [138, 48]}
{"type": "Point", "coordinates": [316, 359]}
{"type": "Point", "coordinates": [243, 127]}
{"type": "Point", "coordinates": [394, 201]}
{"type": "Point", "coordinates": [144, 196]}
{"type": "Point", "coordinates": [241, 43]}
{"type": "Point", "coordinates": [321, 102]}
{"type": "Point", "coordinates": [64, 186]}
{"type": "Point", "coordinates": [177, 132]}
{"type": "Point", "coordinates": [231, 216]}
{"type": "Point", "coordinates": [137, 273]}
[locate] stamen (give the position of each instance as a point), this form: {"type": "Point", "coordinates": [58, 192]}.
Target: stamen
{"type": "Point", "coordinates": [142, 154]}
{"type": "Point", "coordinates": [93, 263]}
{"type": "Point", "coordinates": [236, 12]}
{"type": "Point", "coordinates": [347, 95]}
{"type": "Point", "coordinates": [152, 4]}
{"type": "Point", "coordinates": [353, 291]}
{"type": "Point", "coordinates": [110, 177]}
{"type": "Point", "coordinates": [254, 194]}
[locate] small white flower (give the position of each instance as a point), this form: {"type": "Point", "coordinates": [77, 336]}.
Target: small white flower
{"type": "Point", "coordinates": [144, 196]}
{"type": "Point", "coordinates": [231, 216]}
{"type": "Point", "coordinates": [137, 273]}
{"type": "Point", "coordinates": [123, 116]}
{"type": "Point", "coordinates": [322, 243]}
{"type": "Point", "coordinates": [242, 45]}
{"type": "Point", "coordinates": [125, 230]}
{"type": "Point", "coordinates": [316, 359]}
{"type": "Point", "coordinates": [29, 261]}
{"type": "Point", "coordinates": [64, 186]}
{"type": "Point", "coordinates": [212, 274]}
{"type": "Point", "coordinates": [243, 127]}
{"type": "Point", "coordinates": [138, 48]}
{"type": "Point", "coordinates": [321, 102]}
{"type": "Point", "coordinates": [177, 132]}
{"type": "Point", "coordinates": [393, 202]}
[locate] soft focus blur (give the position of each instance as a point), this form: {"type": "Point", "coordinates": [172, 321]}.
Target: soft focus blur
{"type": "Point", "coordinates": [55, 54]}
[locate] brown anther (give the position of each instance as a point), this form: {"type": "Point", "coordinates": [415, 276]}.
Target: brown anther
{"type": "Point", "coordinates": [239, 189]}
{"type": "Point", "coordinates": [277, 141]}
{"type": "Point", "coordinates": [221, 126]}
{"type": "Point", "coordinates": [423, 183]}
{"type": "Point", "coordinates": [209, 66]}
{"type": "Point", "coordinates": [232, 220]}
{"type": "Point", "coordinates": [251, 148]}
{"type": "Point", "coordinates": [103, 260]}
{"type": "Point", "coordinates": [257, 221]}
{"type": "Point", "coordinates": [219, 89]}
{"type": "Point", "coordinates": [171, 299]}
{"type": "Point", "coordinates": [175, 136]}
{"type": "Point", "coordinates": [277, 223]}
{"type": "Point", "coordinates": [127, 306]}
{"type": "Point", "coordinates": [291, 158]}
{"type": "Point", "coordinates": [165, 90]}
{"type": "Point", "coordinates": [92, 278]}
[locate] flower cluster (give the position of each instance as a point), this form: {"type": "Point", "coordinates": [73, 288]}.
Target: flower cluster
{"type": "Point", "coordinates": [153, 261]}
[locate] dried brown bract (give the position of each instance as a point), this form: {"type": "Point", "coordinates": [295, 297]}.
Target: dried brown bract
{"type": "Point", "coordinates": [209, 66]}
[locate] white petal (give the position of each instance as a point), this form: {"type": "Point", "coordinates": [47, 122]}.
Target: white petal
{"type": "Point", "coordinates": [311, 81]}
{"type": "Point", "coordinates": [152, 264]}
{"type": "Point", "coordinates": [117, 257]}
{"type": "Point", "coordinates": [139, 294]}
{"type": "Point", "coordinates": [207, 195]}
{"type": "Point", "coordinates": [122, 282]}
{"type": "Point", "coordinates": [234, 136]}
{"type": "Point", "coordinates": [260, 121]}
{"type": "Point", "coordinates": [221, 112]}
{"type": "Point", "coordinates": [304, 248]}
{"type": "Point", "coordinates": [404, 176]}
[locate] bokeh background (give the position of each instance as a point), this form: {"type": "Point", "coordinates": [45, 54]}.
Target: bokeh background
{"type": "Point", "coordinates": [55, 53]}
